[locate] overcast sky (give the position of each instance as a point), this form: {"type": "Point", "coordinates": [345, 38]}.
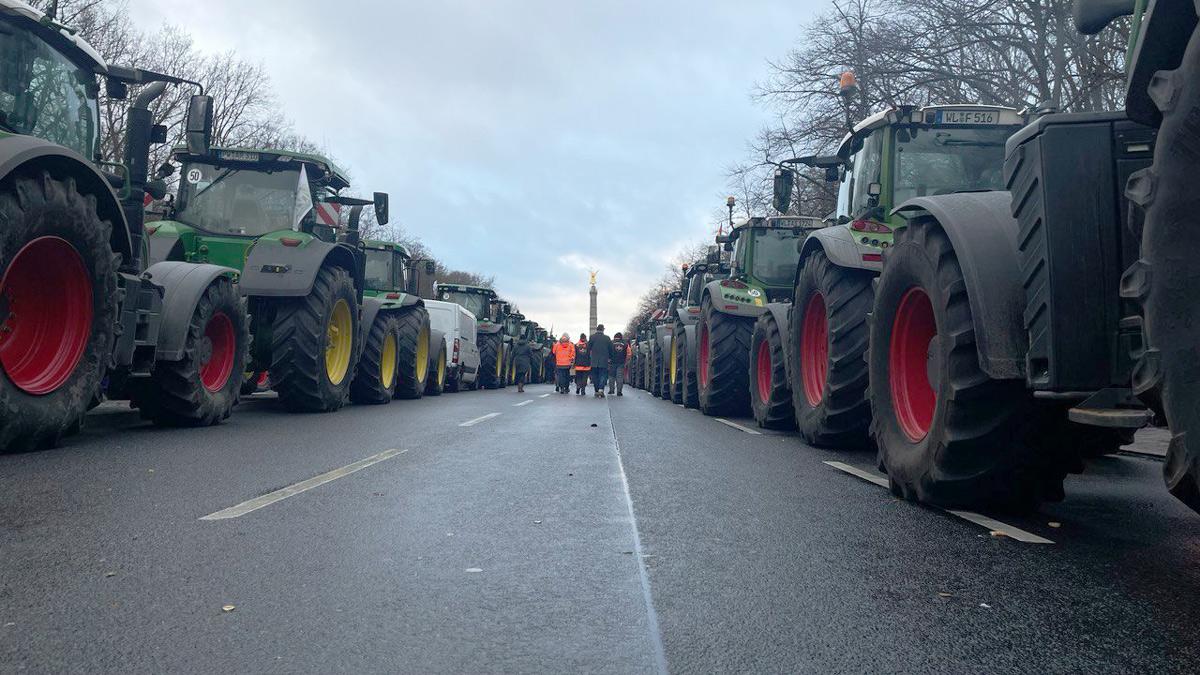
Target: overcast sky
{"type": "Point", "coordinates": [530, 140]}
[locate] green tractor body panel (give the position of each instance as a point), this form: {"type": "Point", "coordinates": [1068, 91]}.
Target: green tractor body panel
{"type": "Point", "coordinates": [385, 274]}
{"type": "Point", "coordinates": [904, 153]}
{"type": "Point", "coordinates": [763, 266]}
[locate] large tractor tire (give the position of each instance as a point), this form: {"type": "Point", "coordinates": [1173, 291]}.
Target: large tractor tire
{"type": "Point", "coordinates": [58, 308]}
{"type": "Point", "coordinates": [657, 369]}
{"type": "Point", "coordinates": [723, 361]}
{"type": "Point", "coordinates": [376, 375]}
{"type": "Point", "coordinates": [689, 395]}
{"type": "Point", "coordinates": [1167, 276]}
{"type": "Point", "coordinates": [491, 352]}
{"type": "Point", "coordinates": [829, 338]}
{"type": "Point", "coordinates": [770, 390]}
{"type": "Point", "coordinates": [437, 381]}
{"type": "Point", "coordinates": [315, 344]}
{"type": "Point", "coordinates": [947, 433]}
{"type": "Point", "coordinates": [201, 388]}
{"type": "Point", "coordinates": [413, 348]}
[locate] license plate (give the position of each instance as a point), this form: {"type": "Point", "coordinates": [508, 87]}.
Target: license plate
{"type": "Point", "coordinates": [967, 117]}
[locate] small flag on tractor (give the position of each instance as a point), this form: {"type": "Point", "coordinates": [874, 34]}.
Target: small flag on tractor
{"type": "Point", "coordinates": [304, 202]}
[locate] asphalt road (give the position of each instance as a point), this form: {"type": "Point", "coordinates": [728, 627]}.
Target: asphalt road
{"type": "Point", "coordinates": [564, 534]}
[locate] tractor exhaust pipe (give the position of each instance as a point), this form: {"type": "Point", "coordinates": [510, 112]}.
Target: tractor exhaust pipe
{"type": "Point", "coordinates": [139, 133]}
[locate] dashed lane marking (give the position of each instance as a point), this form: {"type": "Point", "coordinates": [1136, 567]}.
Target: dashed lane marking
{"type": "Point", "coordinates": [991, 524]}
{"type": "Point", "coordinates": [477, 420]}
{"type": "Point", "coordinates": [518, 405]}
{"type": "Point", "coordinates": [297, 488]}
{"type": "Point", "coordinates": [737, 426]}
{"type": "Point", "coordinates": [543, 395]}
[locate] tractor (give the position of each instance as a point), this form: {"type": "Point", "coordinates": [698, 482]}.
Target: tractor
{"type": "Point", "coordinates": [82, 315]}
{"type": "Point", "coordinates": [275, 215]}
{"type": "Point", "coordinates": [889, 157]}
{"type": "Point", "coordinates": [390, 282]}
{"type": "Point", "coordinates": [762, 267]}
{"type": "Point", "coordinates": [681, 357]}
{"type": "Point", "coordinates": [490, 313]}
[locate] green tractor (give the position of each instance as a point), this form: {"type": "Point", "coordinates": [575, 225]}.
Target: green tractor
{"type": "Point", "coordinates": [274, 215]}
{"type": "Point", "coordinates": [513, 331]}
{"type": "Point", "coordinates": [82, 315]}
{"type": "Point", "coordinates": [658, 345]}
{"type": "Point", "coordinates": [682, 355]}
{"type": "Point", "coordinates": [891, 156]}
{"type": "Point", "coordinates": [761, 271]}
{"type": "Point", "coordinates": [391, 281]}
{"type": "Point", "coordinates": [490, 314]}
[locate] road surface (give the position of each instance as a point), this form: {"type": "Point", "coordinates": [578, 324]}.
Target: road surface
{"type": "Point", "coordinates": [496, 531]}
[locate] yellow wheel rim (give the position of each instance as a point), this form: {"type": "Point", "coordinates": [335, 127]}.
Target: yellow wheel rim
{"type": "Point", "coordinates": [422, 353]}
{"type": "Point", "coordinates": [339, 342]}
{"type": "Point", "coordinates": [672, 362]}
{"type": "Point", "coordinates": [499, 362]}
{"type": "Point", "coordinates": [387, 361]}
{"type": "Point", "coordinates": [441, 372]}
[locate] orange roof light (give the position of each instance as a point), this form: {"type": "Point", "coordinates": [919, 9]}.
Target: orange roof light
{"type": "Point", "coordinates": [847, 83]}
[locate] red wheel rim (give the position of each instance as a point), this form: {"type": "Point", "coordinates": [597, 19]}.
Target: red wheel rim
{"type": "Point", "coordinates": [908, 358]}
{"type": "Point", "coordinates": [46, 319]}
{"type": "Point", "coordinates": [220, 346]}
{"type": "Point", "coordinates": [702, 359]}
{"type": "Point", "coordinates": [764, 371]}
{"type": "Point", "coordinates": [814, 350]}
{"type": "Point", "coordinates": [263, 378]}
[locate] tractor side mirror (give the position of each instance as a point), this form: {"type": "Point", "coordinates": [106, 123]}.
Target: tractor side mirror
{"type": "Point", "coordinates": [832, 175]}
{"type": "Point", "coordinates": [157, 189]}
{"type": "Point", "coordinates": [381, 208]}
{"type": "Point", "coordinates": [158, 133]}
{"type": "Point", "coordinates": [199, 125]}
{"type": "Point", "coordinates": [429, 268]}
{"type": "Point", "coordinates": [724, 239]}
{"type": "Point", "coordinates": [116, 89]}
{"type": "Point", "coordinates": [784, 182]}
{"type": "Point", "coordinates": [727, 246]}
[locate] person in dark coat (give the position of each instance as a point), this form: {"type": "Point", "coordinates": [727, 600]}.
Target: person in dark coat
{"type": "Point", "coordinates": [583, 363]}
{"type": "Point", "coordinates": [616, 365]}
{"type": "Point", "coordinates": [600, 347]}
{"type": "Point", "coordinates": [522, 363]}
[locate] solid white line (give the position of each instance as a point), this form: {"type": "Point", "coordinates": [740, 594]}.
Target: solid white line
{"type": "Point", "coordinates": [997, 526]}
{"type": "Point", "coordinates": [855, 471]}
{"type": "Point", "coordinates": [303, 486]}
{"type": "Point", "coordinates": [477, 420]}
{"type": "Point", "coordinates": [543, 395]}
{"type": "Point", "coordinates": [518, 405]}
{"type": "Point", "coordinates": [735, 425]}
{"type": "Point", "coordinates": [979, 519]}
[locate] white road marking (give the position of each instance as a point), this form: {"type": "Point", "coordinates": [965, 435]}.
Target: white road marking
{"type": "Point", "coordinates": [543, 395]}
{"type": "Point", "coordinates": [477, 420]}
{"type": "Point", "coordinates": [979, 519]}
{"type": "Point", "coordinates": [518, 405]}
{"type": "Point", "coordinates": [735, 425]}
{"type": "Point", "coordinates": [297, 488]}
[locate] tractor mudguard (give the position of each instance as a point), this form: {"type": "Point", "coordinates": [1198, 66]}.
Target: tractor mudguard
{"type": "Point", "coordinates": [183, 285]}
{"type": "Point", "coordinates": [489, 329]}
{"type": "Point", "coordinates": [1167, 26]}
{"type": "Point", "coordinates": [839, 246]}
{"type": "Point", "coordinates": [28, 152]}
{"type": "Point", "coordinates": [984, 234]}
{"type": "Point", "coordinates": [373, 305]}
{"type": "Point", "coordinates": [732, 301]}
{"type": "Point", "coordinates": [689, 340]}
{"type": "Point", "coordinates": [779, 312]}
{"type": "Point", "coordinates": [275, 270]}
{"type": "Point", "coordinates": [370, 309]}
{"type": "Point", "coordinates": [161, 246]}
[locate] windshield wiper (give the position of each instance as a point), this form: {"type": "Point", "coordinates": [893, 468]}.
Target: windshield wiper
{"type": "Point", "coordinates": [216, 180]}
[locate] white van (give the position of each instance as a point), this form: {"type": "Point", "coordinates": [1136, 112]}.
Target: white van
{"type": "Point", "coordinates": [462, 348]}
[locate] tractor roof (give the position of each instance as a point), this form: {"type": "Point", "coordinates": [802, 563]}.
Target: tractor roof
{"type": "Point", "coordinates": [788, 222]}
{"type": "Point", "coordinates": [379, 244]}
{"type": "Point", "coordinates": [463, 288]}
{"type": "Point", "coordinates": [337, 178]}
{"type": "Point", "coordinates": [911, 114]}
{"type": "Point", "coordinates": [69, 37]}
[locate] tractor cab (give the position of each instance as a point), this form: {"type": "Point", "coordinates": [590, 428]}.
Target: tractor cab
{"type": "Point", "coordinates": [764, 253]}
{"type": "Point", "coordinates": [906, 152]}
{"type": "Point", "coordinates": [475, 299]}
{"type": "Point", "coordinates": [390, 271]}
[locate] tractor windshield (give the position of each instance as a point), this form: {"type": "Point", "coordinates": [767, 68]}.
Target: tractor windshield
{"type": "Point", "coordinates": [231, 200]}
{"type": "Point", "coordinates": [942, 160]}
{"type": "Point", "coordinates": [475, 303]}
{"type": "Point", "coordinates": [775, 256]}
{"type": "Point", "coordinates": [378, 274]}
{"type": "Point", "coordinates": [44, 94]}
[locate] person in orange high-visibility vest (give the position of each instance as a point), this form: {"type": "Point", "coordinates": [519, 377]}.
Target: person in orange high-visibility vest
{"type": "Point", "coordinates": [583, 364]}
{"type": "Point", "coordinates": [564, 358]}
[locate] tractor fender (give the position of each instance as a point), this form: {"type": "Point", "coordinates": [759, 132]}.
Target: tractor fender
{"type": "Point", "coordinates": [489, 329]}
{"type": "Point", "coordinates": [183, 285]}
{"type": "Point", "coordinates": [21, 153]}
{"type": "Point", "coordinates": [374, 305]}
{"type": "Point", "coordinates": [718, 295]}
{"type": "Point", "coordinates": [838, 244]}
{"type": "Point", "coordinates": [689, 341]}
{"type": "Point", "coordinates": [370, 309]}
{"type": "Point", "coordinates": [275, 270]}
{"type": "Point", "coordinates": [1166, 28]}
{"type": "Point", "coordinates": [161, 247]}
{"type": "Point", "coordinates": [779, 314]}
{"type": "Point", "coordinates": [984, 235]}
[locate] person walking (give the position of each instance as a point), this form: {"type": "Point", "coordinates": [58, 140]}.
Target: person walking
{"type": "Point", "coordinates": [564, 357]}
{"type": "Point", "coordinates": [583, 364]}
{"type": "Point", "coordinates": [600, 348]}
{"type": "Point", "coordinates": [616, 365]}
{"type": "Point", "coordinates": [522, 363]}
